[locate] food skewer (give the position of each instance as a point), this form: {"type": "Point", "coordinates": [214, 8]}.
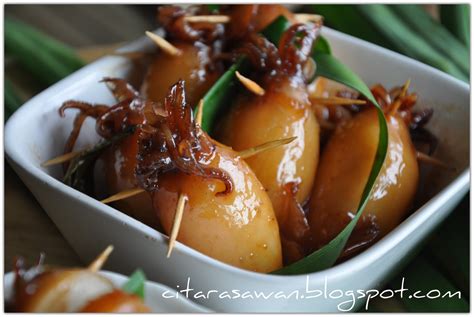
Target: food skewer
{"type": "Point", "coordinates": [207, 18]}
{"type": "Point", "coordinates": [250, 84]}
{"type": "Point", "coordinates": [306, 17]}
{"type": "Point", "coordinates": [200, 109]}
{"type": "Point", "coordinates": [122, 195]}
{"type": "Point", "coordinates": [337, 101]}
{"type": "Point", "coordinates": [265, 147]}
{"type": "Point", "coordinates": [176, 222]}
{"type": "Point", "coordinates": [425, 158]}
{"type": "Point", "coordinates": [164, 44]}
{"type": "Point", "coordinates": [97, 264]}
{"type": "Point", "coordinates": [398, 102]}
{"type": "Point", "coordinates": [62, 158]}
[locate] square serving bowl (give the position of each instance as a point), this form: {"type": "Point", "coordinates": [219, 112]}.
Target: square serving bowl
{"type": "Point", "coordinates": [36, 133]}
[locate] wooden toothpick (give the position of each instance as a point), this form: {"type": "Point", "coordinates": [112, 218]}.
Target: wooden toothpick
{"type": "Point", "coordinates": [61, 159]}
{"type": "Point", "coordinates": [305, 18]}
{"type": "Point", "coordinates": [178, 216]}
{"type": "Point", "coordinates": [122, 195]}
{"type": "Point", "coordinates": [250, 84]}
{"type": "Point", "coordinates": [200, 109]}
{"type": "Point", "coordinates": [164, 44]}
{"type": "Point", "coordinates": [425, 158]}
{"type": "Point", "coordinates": [97, 264]}
{"type": "Point", "coordinates": [264, 147]}
{"type": "Point", "coordinates": [398, 102]}
{"type": "Point", "coordinates": [208, 18]}
{"type": "Point", "coordinates": [337, 101]}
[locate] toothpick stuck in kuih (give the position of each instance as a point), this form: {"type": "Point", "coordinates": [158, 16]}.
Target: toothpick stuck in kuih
{"type": "Point", "coordinates": [305, 18]}
{"type": "Point", "coordinates": [122, 195]}
{"type": "Point", "coordinates": [425, 158]}
{"type": "Point", "coordinates": [398, 102]}
{"type": "Point", "coordinates": [264, 147]}
{"type": "Point", "coordinates": [337, 101]}
{"type": "Point", "coordinates": [200, 109]}
{"type": "Point", "coordinates": [164, 44]}
{"type": "Point", "coordinates": [97, 264]}
{"type": "Point", "coordinates": [250, 84]}
{"type": "Point", "coordinates": [178, 216]}
{"type": "Point", "coordinates": [208, 18]}
{"type": "Point", "coordinates": [61, 159]}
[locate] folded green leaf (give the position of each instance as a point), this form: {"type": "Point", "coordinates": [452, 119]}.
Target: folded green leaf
{"type": "Point", "coordinates": [322, 46]}
{"type": "Point", "coordinates": [136, 284]}
{"type": "Point", "coordinates": [219, 94]}
{"type": "Point", "coordinates": [275, 30]}
{"type": "Point", "coordinates": [213, 7]}
{"type": "Point", "coordinates": [329, 67]}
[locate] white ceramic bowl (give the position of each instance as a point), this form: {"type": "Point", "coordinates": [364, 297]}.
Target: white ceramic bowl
{"type": "Point", "coordinates": [35, 133]}
{"type": "Point", "coordinates": [156, 295]}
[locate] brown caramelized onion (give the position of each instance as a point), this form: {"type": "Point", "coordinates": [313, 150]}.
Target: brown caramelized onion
{"type": "Point", "coordinates": [288, 60]}
{"type": "Point", "coordinates": [176, 142]}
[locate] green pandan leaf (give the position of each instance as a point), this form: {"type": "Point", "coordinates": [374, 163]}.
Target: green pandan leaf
{"type": "Point", "coordinates": [219, 95]}
{"type": "Point", "coordinates": [322, 46]}
{"type": "Point", "coordinates": [213, 7]}
{"type": "Point", "coordinates": [328, 66]}
{"type": "Point", "coordinates": [136, 284]}
{"type": "Point", "coordinates": [275, 30]}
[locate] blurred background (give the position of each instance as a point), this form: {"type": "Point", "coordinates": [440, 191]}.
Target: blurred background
{"type": "Point", "coordinates": [45, 43]}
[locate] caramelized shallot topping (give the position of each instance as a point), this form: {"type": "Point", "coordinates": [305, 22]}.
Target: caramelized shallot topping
{"type": "Point", "coordinates": [130, 110]}
{"type": "Point", "coordinates": [176, 142]}
{"type": "Point", "coordinates": [287, 62]}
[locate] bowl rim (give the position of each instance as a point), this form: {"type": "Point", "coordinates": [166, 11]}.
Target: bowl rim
{"type": "Point", "coordinates": [401, 232]}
